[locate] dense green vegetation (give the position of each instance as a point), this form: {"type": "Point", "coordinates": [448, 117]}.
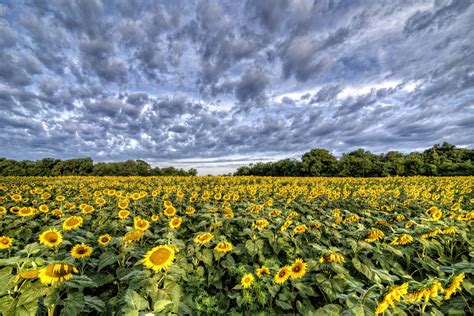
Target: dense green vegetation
{"type": "Point", "coordinates": [85, 167]}
{"type": "Point", "coordinates": [439, 160]}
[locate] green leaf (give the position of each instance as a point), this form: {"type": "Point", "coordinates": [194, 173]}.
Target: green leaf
{"type": "Point", "coordinates": [6, 278]}
{"type": "Point", "coordinates": [106, 259]}
{"type": "Point", "coordinates": [329, 310]}
{"type": "Point", "coordinates": [284, 305]}
{"type": "Point", "coordinates": [134, 301]}
{"type": "Point", "coordinates": [94, 303]}
{"type": "Point", "coordinates": [160, 305]}
{"type": "Point", "coordinates": [31, 292]}
{"type": "Point", "coordinates": [80, 282]}
{"type": "Point", "coordinates": [207, 257]}
{"type": "Point", "coordinates": [73, 304]}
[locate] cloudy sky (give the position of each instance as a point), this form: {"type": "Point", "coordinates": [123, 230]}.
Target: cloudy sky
{"type": "Point", "coordinates": [218, 84]}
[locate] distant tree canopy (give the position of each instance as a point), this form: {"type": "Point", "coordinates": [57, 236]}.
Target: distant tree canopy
{"type": "Point", "coordinates": [86, 167]}
{"type": "Point", "coordinates": [439, 160]}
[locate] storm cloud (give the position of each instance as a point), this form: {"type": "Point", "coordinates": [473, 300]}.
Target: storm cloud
{"type": "Point", "coordinates": [215, 84]}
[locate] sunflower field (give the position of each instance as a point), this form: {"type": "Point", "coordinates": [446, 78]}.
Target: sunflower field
{"type": "Point", "coordinates": [236, 245]}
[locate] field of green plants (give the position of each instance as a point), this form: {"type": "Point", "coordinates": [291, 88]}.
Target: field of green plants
{"type": "Point", "coordinates": [215, 245]}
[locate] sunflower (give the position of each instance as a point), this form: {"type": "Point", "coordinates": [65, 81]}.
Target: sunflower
{"type": "Point", "coordinates": [190, 210]}
{"type": "Point", "coordinates": [3, 210]}
{"type": "Point", "coordinates": [454, 286]}
{"type": "Point", "coordinates": [247, 280]}
{"type": "Point", "coordinates": [123, 214]}
{"type": "Point", "coordinates": [51, 238]}
{"type": "Point", "coordinates": [43, 208]}
{"type": "Point", "coordinates": [285, 225]}
{"type": "Point", "coordinates": [80, 251]}
{"type": "Point", "coordinates": [26, 211]}
{"type": "Point", "coordinates": [5, 242]}
{"type": "Point", "coordinates": [60, 198]}
{"type": "Point", "coordinates": [72, 222]}
{"type": "Point", "coordinates": [57, 213]}
{"type": "Point", "coordinates": [123, 204]}
{"type": "Point", "coordinates": [300, 229]}
{"type": "Point", "coordinates": [28, 274]}
{"type": "Point", "coordinates": [56, 272]}
{"type": "Point", "coordinates": [16, 197]}
{"type": "Point", "coordinates": [402, 240]}
{"type": "Point", "coordinates": [167, 204]}
{"type": "Point", "coordinates": [263, 271]}
{"type": "Point", "coordinates": [228, 213]}
{"type": "Point", "coordinates": [175, 222]}
{"type": "Point", "coordinates": [154, 218]}
{"type": "Point", "coordinates": [100, 201]}
{"type": "Point", "coordinates": [298, 269]}
{"type": "Point", "coordinates": [203, 238]}
{"type": "Point", "coordinates": [282, 275]}
{"type": "Point", "coordinates": [260, 223]}
{"type": "Point", "coordinates": [223, 247]}
{"type": "Point", "coordinates": [159, 258]}
{"type": "Point", "coordinates": [133, 235]}
{"type": "Point", "coordinates": [170, 211]}
{"type": "Point", "coordinates": [332, 257]}
{"type": "Point", "coordinates": [141, 224]}
{"type": "Point", "coordinates": [104, 240]}
{"type": "Point", "coordinates": [87, 209]}
{"type": "Point", "coordinates": [373, 235]}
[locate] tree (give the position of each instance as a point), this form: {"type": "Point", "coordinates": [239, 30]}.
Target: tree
{"type": "Point", "coordinates": [319, 162]}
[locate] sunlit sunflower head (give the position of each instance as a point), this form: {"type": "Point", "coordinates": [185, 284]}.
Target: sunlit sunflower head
{"type": "Point", "coordinates": [43, 208]}
{"type": "Point", "coordinates": [159, 258]}
{"type": "Point", "coordinates": [170, 211]}
{"type": "Point", "coordinates": [167, 204]}
{"type": "Point", "coordinates": [247, 280]}
{"type": "Point", "coordinates": [141, 224]}
{"type": "Point", "coordinates": [56, 273]}
{"type": "Point", "coordinates": [282, 275]}
{"type": "Point", "coordinates": [81, 251]}
{"type": "Point", "coordinates": [332, 257]}
{"type": "Point", "coordinates": [72, 222]}
{"type": "Point", "coordinates": [104, 240]}
{"type": "Point", "coordinates": [374, 234]}
{"type": "Point", "coordinates": [28, 274]}
{"type": "Point", "coordinates": [228, 213]}
{"type": "Point", "coordinates": [87, 209]}
{"type": "Point", "coordinates": [5, 242]}
{"type": "Point", "coordinates": [175, 222]}
{"type": "Point", "coordinates": [123, 204]}
{"type": "Point", "coordinates": [402, 240]}
{"type": "Point", "coordinates": [154, 218]}
{"type": "Point", "coordinates": [51, 238]}
{"type": "Point", "coordinates": [264, 270]}
{"type": "Point", "coordinates": [133, 236]}
{"type": "Point", "coordinates": [100, 201]}
{"type": "Point", "coordinates": [203, 238]}
{"type": "Point", "coordinates": [260, 223]}
{"type": "Point", "coordinates": [3, 210]}
{"type": "Point", "coordinates": [300, 229]}
{"type": "Point", "coordinates": [190, 210]}
{"type": "Point", "coordinates": [60, 198]}
{"type": "Point", "coordinates": [26, 211]}
{"type": "Point", "coordinates": [298, 269]}
{"type": "Point", "coordinates": [223, 247]}
{"type": "Point", "coordinates": [123, 214]}
{"type": "Point", "coordinates": [16, 197]}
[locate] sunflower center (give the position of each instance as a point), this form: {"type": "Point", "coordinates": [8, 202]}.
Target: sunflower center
{"type": "Point", "coordinates": [4, 241]}
{"type": "Point", "coordinates": [296, 269]}
{"type": "Point", "coordinates": [72, 221]}
{"type": "Point", "coordinates": [51, 237]}
{"type": "Point", "coordinates": [105, 239]}
{"type": "Point", "coordinates": [282, 274]}
{"type": "Point", "coordinates": [160, 256]}
{"type": "Point", "coordinates": [81, 251]}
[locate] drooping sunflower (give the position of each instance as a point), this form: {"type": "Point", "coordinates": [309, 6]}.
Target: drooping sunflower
{"type": "Point", "coordinates": [57, 213]}
{"type": "Point", "coordinates": [247, 280]}
{"type": "Point", "coordinates": [282, 275]}
{"type": "Point", "coordinates": [264, 270]}
{"type": "Point", "coordinates": [373, 235]}
{"type": "Point", "coordinates": [72, 222]}
{"type": "Point", "coordinates": [175, 222]}
{"type": "Point", "coordinates": [203, 238]}
{"type": "Point", "coordinates": [5, 242]}
{"type": "Point", "coordinates": [80, 251]}
{"type": "Point", "coordinates": [56, 272]}
{"type": "Point", "coordinates": [123, 214]}
{"type": "Point", "coordinates": [223, 247]}
{"type": "Point", "coordinates": [300, 229]}
{"type": "Point", "coordinates": [133, 236]}
{"type": "Point", "coordinates": [190, 210]}
{"type": "Point", "coordinates": [104, 240]}
{"type": "Point", "coordinates": [402, 240]}
{"type": "Point", "coordinates": [159, 258]}
{"type": "Point", "coordinates": [228, 212]}
{"type": "Point", "coordinates": [298, 269]}
{"type": "Point", "coordinates": [51, 238]}
{"type": "Point", "coordinates": [332, 257]}
{"type": "Point", "coordinates": [260, 223]}
{"type": "Point", "coordinates": [28, 274]}
{"type": "Point", "coordinates": [141, 224]}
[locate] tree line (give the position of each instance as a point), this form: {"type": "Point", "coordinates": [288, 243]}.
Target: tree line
{"type": "Point", "coordinates": [86, 167]}
{"type": "Point", "coordinates": [439, 160]}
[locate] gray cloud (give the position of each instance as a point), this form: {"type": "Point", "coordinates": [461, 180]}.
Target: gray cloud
{"type": "Point", "coordinates": [232, 82]}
